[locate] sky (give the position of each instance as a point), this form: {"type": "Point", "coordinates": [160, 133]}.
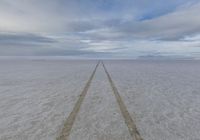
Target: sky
{"type": "Point", "coordinates": [100, 28]}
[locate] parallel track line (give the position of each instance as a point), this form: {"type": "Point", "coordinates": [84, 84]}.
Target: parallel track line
{"type": "Point", "coordinates": [128, 120]}
{"type": "Point", "coordinates": [71, 118]}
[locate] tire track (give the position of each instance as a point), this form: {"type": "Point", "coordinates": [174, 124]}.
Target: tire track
{"type": "Point", "coordinates": [71, 118]}
{"type": "Point", "coordinates": [128, 120]}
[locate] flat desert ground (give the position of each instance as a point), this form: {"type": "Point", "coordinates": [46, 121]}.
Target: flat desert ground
{"type": "Point", "coordinates": [114, 100]}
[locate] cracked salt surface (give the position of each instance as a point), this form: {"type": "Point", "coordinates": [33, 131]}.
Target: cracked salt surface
{"type": "Point", "coordinates": [37, 96]}
{"type": "Point", "coordinates": [162, 96]}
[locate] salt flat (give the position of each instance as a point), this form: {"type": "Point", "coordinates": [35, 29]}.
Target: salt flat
{"type": "Point", "coordinates": [37, 96]}
{"type": "Point", "coordinates": [162, 96]}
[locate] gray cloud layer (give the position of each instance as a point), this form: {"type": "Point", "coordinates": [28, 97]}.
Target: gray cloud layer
{"type": "Point", "coordinates": [23, 38]}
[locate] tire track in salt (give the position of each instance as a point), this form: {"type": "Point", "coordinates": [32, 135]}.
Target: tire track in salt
{"type": "Point", "coordinates": [71, 118]}
{"type": "Point", "coordinates": [128, 120]}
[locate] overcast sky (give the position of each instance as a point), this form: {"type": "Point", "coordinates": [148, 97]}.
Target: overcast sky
{"type": "Point", "coordinates": [100, 28]}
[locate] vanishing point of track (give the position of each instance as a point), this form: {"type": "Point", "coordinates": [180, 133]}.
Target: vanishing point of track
{"type": "Point", "coordinates": [127, 118]}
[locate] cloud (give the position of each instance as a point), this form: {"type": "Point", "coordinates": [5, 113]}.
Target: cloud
{"type": "Point", "coordinates": [114, 28]}
{"type": "Point", "coordinates": [173, 26]}
{"type": "Point", "coordinates": [24, 39]}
